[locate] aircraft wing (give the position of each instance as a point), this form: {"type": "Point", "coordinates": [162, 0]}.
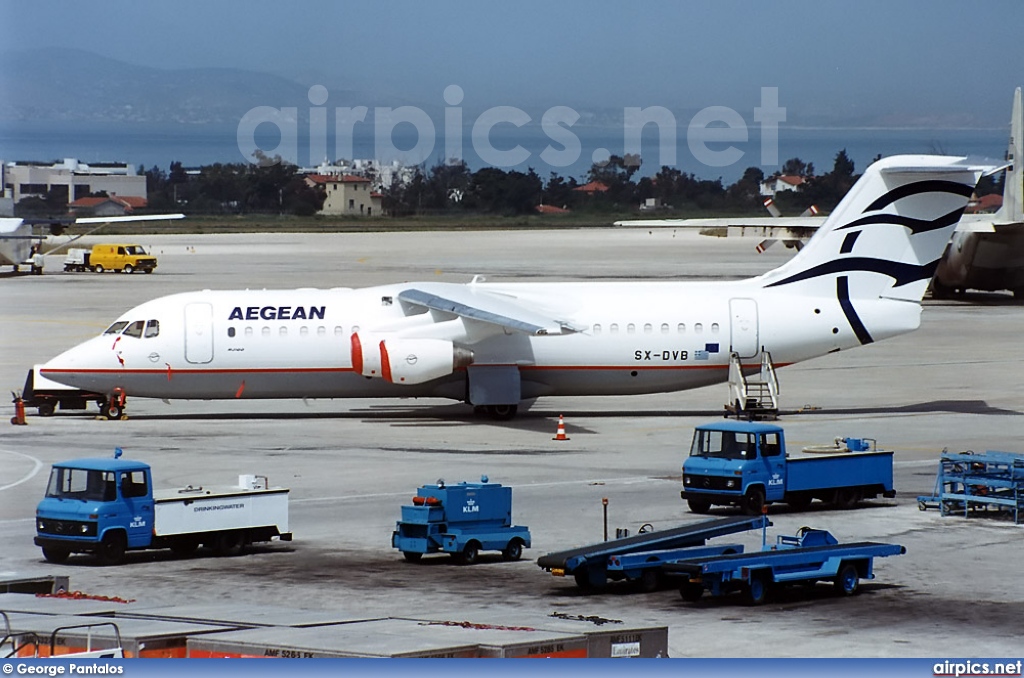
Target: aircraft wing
{"type": "Point", "coordinates": [724, 222]}
{"type": "Point", "coordinates": [473, 303]}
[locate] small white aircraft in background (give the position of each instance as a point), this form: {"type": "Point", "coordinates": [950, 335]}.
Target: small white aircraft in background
{"type": "Point", "coordinates": [20, 245]}
{"type": "Point", "coordinates": [858, 280]}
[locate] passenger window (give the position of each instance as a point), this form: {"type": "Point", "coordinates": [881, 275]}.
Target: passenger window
{"type": "Point", "coordinates": [248, 331]}
{"type": "Point", "coordinates": [770, 445]}
{"type": "Point", "coordinates": [648, 328]}
{"type": "Point", "coordinates": [597, 329]}
{"type": "Point", "coordinates": [614, 328]}
{"type": "Point", "coordinates": [698, 328]}
{"type": "Point", "coordinates": [714, 328]}
{"type": "Point", "coordinates": [339, 330]}
{"type": "Point", "coordinates": [664, 328]}
{"type": "Point", "coordinates": [681, 328]}
{"type": "Point", "coordinates": [135, 329]}
{"type": "Point", "coordinates": [231, 331]}
{"type": "Point", "coordinates": [304, 331]}
{"type": "Point", "coordinates": [283, 331]}
{"type": "Point", "coordinates": [117, 327]}
{"type": "Point", "coordinates": [265, 331]}
{"type": "Point", "coordinates": [152, 328]}
{"type": "Point", "coordinates": [631, 328]}
{"type": "Point", "coordinates": [321, 331]}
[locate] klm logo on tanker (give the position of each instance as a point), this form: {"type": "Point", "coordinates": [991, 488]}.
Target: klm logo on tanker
{"type": "Point", "coordinates": [471, 507]}
{"type": "Point", "coordinates": [278, 313]}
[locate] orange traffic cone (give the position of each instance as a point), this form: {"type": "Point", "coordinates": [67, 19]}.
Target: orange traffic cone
{"type": "Point", "coordinates": [560, 435]}
{"type": "Point", "coordinates": [19, 412]}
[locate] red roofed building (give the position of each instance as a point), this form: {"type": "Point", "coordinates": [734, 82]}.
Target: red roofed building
{"type": "Point", "coordinates": [986, 204]}
{"type": "Point", "coordinates": [110, 206]}
{"type": "Point", "coordinates": [781, 182]}
{"type": "Point", "coordinates": [347, 195]}
{"type": "Point", "coordinates": [592, 188]}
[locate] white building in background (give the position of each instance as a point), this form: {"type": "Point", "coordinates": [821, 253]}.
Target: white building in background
{"type": "Point", "coordinates": [381, 175]}
{"type": "Point", "coordinates": [24, 179]}
{"type": "Point", "coordinates": [781, 182]}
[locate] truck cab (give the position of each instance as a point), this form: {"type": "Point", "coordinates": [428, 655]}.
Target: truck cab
{"type": "Point", "coordinates": [101, 506]}
{"type": "Point", "coordinates": [735, 462]}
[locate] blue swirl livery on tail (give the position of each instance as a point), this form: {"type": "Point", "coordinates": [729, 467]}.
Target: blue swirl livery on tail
{"type": "Point", "coordinates": [882, 243]}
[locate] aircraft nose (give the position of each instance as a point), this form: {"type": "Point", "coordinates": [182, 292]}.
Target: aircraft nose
{"type": "Point", "coordinates": [84, 366]}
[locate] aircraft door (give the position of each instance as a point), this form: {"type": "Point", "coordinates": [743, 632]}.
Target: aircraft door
{"type": "Point", "coordinates": [743, 327]}
{"type": "Point", "coordinates": [199, 332]}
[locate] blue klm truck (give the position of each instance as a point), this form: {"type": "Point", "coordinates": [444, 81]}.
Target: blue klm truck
{"type": "Point", "coordinates": [108, 506]}
{"type": "Point", "coordinates": [461, 520]}
{"type": "Point", "coordinates": [747, 465]}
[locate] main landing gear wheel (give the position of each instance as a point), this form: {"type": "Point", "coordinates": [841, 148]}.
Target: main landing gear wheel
{"type": "Point", "coordinates": [502, 412]}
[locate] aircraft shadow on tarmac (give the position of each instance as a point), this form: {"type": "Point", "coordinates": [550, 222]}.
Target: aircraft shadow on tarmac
{"type": "Point", "coordinates": [541, 420]}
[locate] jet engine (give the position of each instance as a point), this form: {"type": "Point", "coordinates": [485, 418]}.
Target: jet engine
{"type": "Point", "coordinates": [407, 361]}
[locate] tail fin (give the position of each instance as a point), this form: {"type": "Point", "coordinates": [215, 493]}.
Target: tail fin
{"type": "Point", "coordinates": [885, 238]}
{"type": "Point", "coordinates": [1012, 210]}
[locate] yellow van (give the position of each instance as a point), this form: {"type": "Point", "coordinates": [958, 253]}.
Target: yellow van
{"type": "Point", "coordinates": [124, 258]}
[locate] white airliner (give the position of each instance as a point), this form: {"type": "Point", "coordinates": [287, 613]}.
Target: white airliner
{"type": "Point", "coordinates": [858, 280]}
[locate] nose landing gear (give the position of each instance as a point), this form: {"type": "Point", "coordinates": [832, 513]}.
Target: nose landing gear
{"type": "Point", "coordinates": [113, 407]}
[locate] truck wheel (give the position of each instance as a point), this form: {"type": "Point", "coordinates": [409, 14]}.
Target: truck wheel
{"type": "Point", "coordinates": [701, 506]}
{"type": "Point", "coordinates": [757, 589]}
{"type": "Point", "coordinates": [56, 555]}
{"type": "Point", "coordinates": [412, 556]}
{"type": "Point", "coordinates": [230, 543]}
{"type": "Point", "coordinates": [847, 582]}
{"type": "Point", "coordinates": [46, 410]}
{"type": "Point", "coordinates": [112, 548]}
{"type": "Point", "coordinates": [753, 501]}
{"type": "Point", "coordinates": [847, 497]}
{"type": "Point", "coordinates": [691, 591]}
{"type": "Point", "coordinates": [128, 268]}
{"type": "Point", "coordinates": [470, 554]}
{"type": "Point", "coordinates": [514, 550]}
{"type": "Point", "coordinates": [98, 268]}
{"type": "Point", "coordinates": [649, 580]}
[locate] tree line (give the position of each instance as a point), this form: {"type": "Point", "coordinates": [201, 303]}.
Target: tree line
{"type": "Point", "coordinates": [271, 186]}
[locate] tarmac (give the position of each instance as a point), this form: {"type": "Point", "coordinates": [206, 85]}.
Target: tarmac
{"type": "Point", "coordinates": [953, 384]}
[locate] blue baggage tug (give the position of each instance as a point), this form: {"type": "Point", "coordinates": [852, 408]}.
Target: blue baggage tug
{"type": "Point", "coordinates": [461, 520]}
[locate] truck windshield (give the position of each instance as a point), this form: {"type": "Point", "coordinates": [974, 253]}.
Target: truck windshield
{"type": "Point", "coordinates": [78, 483]}
{"type": "Point", "coordinates": [135, 249]}
{"type": "Point", "coordinates": [723, 445]}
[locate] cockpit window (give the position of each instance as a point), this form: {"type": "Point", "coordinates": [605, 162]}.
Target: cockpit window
{"type": "Point", "coordinates": [135, 329]}
{"type": "Point", "coordinates": [152, 328]}
{"type": "Point", "coordinates": [117, 327]}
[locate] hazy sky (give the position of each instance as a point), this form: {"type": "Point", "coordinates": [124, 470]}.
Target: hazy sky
{"type": "Point", "coordinates": [943, 61]}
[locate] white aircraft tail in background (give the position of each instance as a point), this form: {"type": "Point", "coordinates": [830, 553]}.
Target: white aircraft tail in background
{"type": "Point", "coordinates": [858, 280]}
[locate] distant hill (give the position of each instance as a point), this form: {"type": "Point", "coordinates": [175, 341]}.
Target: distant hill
{"type": "Point", "coordinates": [77, 85]}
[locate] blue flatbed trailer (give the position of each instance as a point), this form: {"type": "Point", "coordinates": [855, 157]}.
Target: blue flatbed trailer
{"type": "Point", "coordinates": [588, 565]}
{"type": "Point", "coordinates": [810, 557]}
{"type": "Point", "coordinates": [644, 567]}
